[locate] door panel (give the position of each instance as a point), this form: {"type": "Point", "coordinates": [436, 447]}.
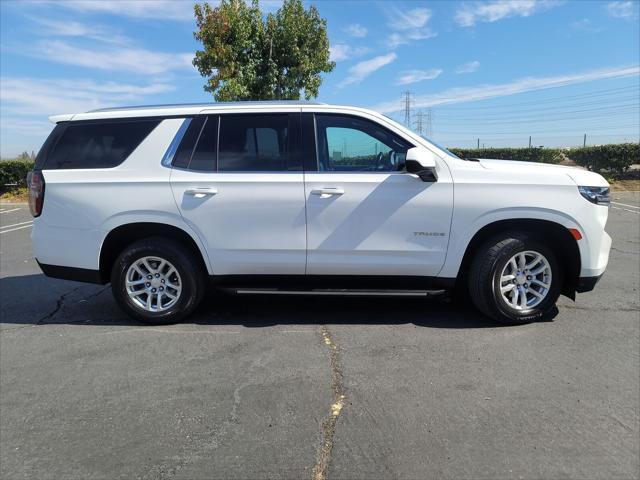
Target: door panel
{"type": "Point", "coordinates": [365, 214]}
{"type": "Point", "coordinates": [250, 223]}
{"type": "Point", "coordinates": [383, 224]}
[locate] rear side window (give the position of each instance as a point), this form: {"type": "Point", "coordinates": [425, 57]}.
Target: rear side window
{"type": "Point", "coordinates": [204, 156]}
{"type": "Point", "coordinates": [255, 143]}
{"type": "Point", "coordinates": [183, 154]}
{"type": "Point", "coordinates": [48, 145]}
{"type": "Point", "coordinates": [98, 144]}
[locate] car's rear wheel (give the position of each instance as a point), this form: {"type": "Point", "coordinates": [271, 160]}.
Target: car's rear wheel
{"type": "Point", "coordinates": [157, 281]}
{"type": "Point", "coordinates": [514, 278]}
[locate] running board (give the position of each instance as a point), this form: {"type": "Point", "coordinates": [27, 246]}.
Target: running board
{"type": "Point", "coordinates": [352, 293]}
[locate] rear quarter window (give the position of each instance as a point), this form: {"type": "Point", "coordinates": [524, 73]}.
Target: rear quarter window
{"type": "Point", "coordinates": [97, 144]}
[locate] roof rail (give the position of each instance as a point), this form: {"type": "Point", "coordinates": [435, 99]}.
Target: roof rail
{"type": "Point", "coordinates": [208, 105]}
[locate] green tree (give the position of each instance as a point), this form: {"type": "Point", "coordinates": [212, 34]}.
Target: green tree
{"type": "Point", "coordinates": [247, 56]}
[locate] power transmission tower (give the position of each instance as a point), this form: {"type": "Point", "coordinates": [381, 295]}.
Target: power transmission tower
{"type": "Point", "coordinates": [419, 122]}
{"type": "Point", "coordinates": [407, 108]}
{"type": "Point", "coordinates": [423, 123]}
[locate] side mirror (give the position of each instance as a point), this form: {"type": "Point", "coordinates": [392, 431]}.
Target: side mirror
{"type": "Point", "coordinates": [421, 162]}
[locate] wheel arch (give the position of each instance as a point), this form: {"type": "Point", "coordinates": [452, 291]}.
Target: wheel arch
{"type": "Point", "coordinates": [551, 232]}
{"type": "Point", "coordinates": [123, 235]}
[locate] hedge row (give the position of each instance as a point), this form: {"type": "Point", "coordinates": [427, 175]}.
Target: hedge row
{"type": "Point", "coordinates": [13, 173]}
{"type": "Point", "coordinates": [543, 155]}
{"type": "Point", "coordinates": [610, 158]}
{"type": "Point", "coordinates": [615, 158]}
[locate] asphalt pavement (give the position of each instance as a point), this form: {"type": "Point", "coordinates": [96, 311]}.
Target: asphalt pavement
{"type": "Point", "coordinates": [296, 387]}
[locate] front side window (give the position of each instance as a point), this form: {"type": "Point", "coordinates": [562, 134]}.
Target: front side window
{"type": "Point", "coordinates": [254, 143]}
{"type": "Point", "coordinates": [103, 144]}
{"type": "Point", "coordinates": [350, 144]}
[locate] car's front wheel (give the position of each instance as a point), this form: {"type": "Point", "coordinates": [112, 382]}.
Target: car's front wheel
{"type": "Point", "coordinates": [157, 281]}
{"type": "Point", "coordinates": [514, 278]}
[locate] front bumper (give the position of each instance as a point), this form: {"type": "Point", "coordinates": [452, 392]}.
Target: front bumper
{"type": "Point", "coordinates": [586, 284]}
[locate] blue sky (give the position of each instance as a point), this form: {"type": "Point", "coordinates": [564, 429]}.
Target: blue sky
{"type": "Point", "coordinates": [499, 71]}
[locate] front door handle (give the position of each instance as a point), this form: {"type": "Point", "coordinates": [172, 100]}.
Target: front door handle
{"type": "Point", "coordinates": [201, 192]}
{"type": "Point", "coordinates": [327, 192]}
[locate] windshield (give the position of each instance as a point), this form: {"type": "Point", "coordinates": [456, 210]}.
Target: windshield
{"type": "Point", "coordinates": [438, 145]}
{"type": "Point", "coordinates": [428, 140]}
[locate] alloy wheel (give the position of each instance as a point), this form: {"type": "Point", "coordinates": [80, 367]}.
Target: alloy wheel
{"type": "Point", "coordinates": [525, 280]}
{"type": "Point", "coordinates": [153, 284]}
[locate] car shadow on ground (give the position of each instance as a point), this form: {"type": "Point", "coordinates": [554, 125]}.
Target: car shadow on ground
{"type": "Point", "coordinates": [39, 300]}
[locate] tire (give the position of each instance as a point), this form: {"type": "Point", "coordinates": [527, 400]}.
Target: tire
{"type": "Point", "coordinates": [178, 284]}
{"type": "Point", "coordinates": [493, 263]}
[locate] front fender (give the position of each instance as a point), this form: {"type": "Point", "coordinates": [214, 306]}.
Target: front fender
{"type": "Point", "coordinates": [462, 233]}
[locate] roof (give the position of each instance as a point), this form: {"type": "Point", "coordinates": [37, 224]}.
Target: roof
{"type": "Point", "coordinates": [177, 109]}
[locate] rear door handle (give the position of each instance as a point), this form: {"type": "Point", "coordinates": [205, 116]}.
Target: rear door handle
{"type": "Point", "coordinates": [327, 192]}
{"type": "Point", "coordinates": [201, 192]}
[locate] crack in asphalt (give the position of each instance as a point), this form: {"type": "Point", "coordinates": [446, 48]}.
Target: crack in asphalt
{"type": "Point", "coordinates": [328, 427]}
{"type": "Point", "coordinates": [60, 303]}
{"type": "Point", "coordinates": [58, 307]}
{"type": "Point", "coordinates": [213, 439]}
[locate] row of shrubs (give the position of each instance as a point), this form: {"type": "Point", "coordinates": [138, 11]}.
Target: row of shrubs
{"type": "Point", "coordinates": [615, 158]}
{"type": "Point", "coordinates": [542, 155]}
{"type": "Point", "coordinates": [13, 173]}
{"type": "Point", "coordinates": [607, 158]}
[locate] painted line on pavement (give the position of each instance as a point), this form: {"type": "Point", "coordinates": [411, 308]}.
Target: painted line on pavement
{"type": "Point", "coordinates": [14, 229]}
{"type": "Point", "coordinates": [9, 211]}
{"type": "Point", "coordinates": [626, 210]}
{"type": "Point", "coordinates": [15, 224]}
{"type": "Point", "coordinates": [625, 205]}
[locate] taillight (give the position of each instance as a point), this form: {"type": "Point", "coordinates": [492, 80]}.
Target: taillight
{"type": "Point", "coordinates": [35, 181]}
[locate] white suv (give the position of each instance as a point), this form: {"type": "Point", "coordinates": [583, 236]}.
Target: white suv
{"type": "Point", "coordinates": [304, 196]}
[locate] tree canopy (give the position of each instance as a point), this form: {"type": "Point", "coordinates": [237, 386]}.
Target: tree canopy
{"type": "Point", "coordinates": [249, 56]}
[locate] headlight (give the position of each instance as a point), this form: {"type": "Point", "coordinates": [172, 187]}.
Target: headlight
{"type": "Point", "coordinates": [597, 195]}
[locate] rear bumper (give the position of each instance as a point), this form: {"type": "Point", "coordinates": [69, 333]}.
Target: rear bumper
{"type": "Point", "coordinates": [586, 284]}
{"type": "Point", "coordinates": [71, 273]}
